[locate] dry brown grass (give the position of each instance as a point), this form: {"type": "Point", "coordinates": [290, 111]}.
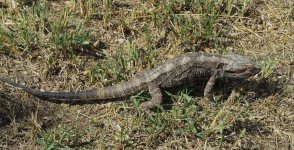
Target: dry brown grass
{"type": "Point", "coordinates": [258, 115]}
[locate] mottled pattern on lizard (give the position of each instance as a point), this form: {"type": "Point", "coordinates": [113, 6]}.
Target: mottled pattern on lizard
{"type": "Point", "coordinates": [187, 67]}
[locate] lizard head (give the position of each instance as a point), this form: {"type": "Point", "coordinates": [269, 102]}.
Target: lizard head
{"type": "Point", "coordinates": [240, 67]}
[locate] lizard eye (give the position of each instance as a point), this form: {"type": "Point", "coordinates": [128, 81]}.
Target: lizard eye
{"type": "Point", "coordinates": [249, 66]}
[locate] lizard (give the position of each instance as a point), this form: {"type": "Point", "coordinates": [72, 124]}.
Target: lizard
{"type": "Point", "coordinates": [184, 68]}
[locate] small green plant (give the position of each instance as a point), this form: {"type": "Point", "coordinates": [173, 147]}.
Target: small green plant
{"type": "Point", "coordinates": [268, 68]}
{"type": "Point", "coordinates": [156, 124]}
{"type": "Point", "coordinates": [26, 33]}
{"type": "Point", "coordinates": [123, 138]}
{"type": "Point", "coordinates": [107, 5]}
{"type": "Point", "coordinates": [67, 40]}
{"type": "Point", "coordinates": [65, 136]}
{"type": "Point", "coordinates": [114, 70]}
{"type": "Point", "coordinates": [123, 63]}
{"type": "Point", "coordinates": [209, 19]}
{"type": "Point", "coordinates": [8, 43]}
{"type": "Point", "coordinates": [28, 25]}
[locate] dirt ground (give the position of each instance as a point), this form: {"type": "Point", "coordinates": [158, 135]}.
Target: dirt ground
{"type": "Point", "coordinates": [55, 53]}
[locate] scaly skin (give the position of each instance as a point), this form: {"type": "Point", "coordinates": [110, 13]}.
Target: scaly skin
{"type": "Point", "coordinates": [187, 67]}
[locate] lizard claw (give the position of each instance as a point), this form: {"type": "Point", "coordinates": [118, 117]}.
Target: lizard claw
{"type": "Point", "coordinates": [208, 97]}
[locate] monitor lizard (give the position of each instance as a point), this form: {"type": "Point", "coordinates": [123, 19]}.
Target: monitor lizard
{"type": "Point", "coordinates": [184, 68]}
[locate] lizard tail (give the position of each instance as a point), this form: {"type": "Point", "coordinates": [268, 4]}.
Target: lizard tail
{"type": "Point", "coordinates": [111, 92]}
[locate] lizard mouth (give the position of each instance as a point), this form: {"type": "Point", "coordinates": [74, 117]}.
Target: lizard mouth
{"type": "Point", "coordinates": [256, 70]}
{"type": "Point", "coordinates": [243, 73]}
{"type": "Point", "coordinates": [236, 71]}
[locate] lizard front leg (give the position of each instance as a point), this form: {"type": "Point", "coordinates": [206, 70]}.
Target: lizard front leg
{"type": "Point", "coordinates": [209, 85]}
{"type": "Point", "coordinates": [156, 95]}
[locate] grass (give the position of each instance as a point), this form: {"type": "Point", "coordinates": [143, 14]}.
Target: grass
{"type": "Point", "coordinates": [76, 45]}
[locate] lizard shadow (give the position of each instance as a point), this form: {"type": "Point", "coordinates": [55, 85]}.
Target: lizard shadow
{"type": "Point", "coordinates": [196, 88]}
{"type": "Point", "coordinates": [249, 90]}
{"type": "Point", "coordinates": [262, 89]}
{"type": "Point", "coordinates": [13, 109]}
{"type": "Point", "coordinates": [253, 128]}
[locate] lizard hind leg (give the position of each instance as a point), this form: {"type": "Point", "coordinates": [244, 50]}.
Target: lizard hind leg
{"type": "Point", "coordinates": [156, 95]}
